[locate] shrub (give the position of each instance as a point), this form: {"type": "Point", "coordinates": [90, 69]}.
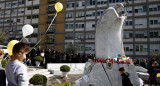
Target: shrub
{"type": "Point", "coordinates": [38, 58]}
{"type": "Point", "coordinates": [38, 79]}
{"type": "Point", "coordinates": [65, 68]}
{"type": "Point", "coordinates": [64, 84]}
{"type": "Point", "coordinates": [3, 63]}
{"type": "Point", "coordinates": [90, 84]}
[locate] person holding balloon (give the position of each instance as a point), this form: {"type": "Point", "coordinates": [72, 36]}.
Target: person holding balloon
{"type": "Point", "coordinates": [16, 71]}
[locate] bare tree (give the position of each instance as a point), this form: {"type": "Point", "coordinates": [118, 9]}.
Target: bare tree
{"type": "Point", "coordinates": [3, 37]}
{"type": "Point", "coordinates": [72, 47]}
{"type": "Point", "coordinates": [156, 55]}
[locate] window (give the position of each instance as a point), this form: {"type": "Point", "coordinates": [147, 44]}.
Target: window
{"type": "Point", "coordinates": [140, 9]}
{"type": "Point", "coordinates": [34, 35]}
{"type": "Point", "coordinates": [18, 20]}
{"type": "Point", "coordinates": [140, 21]}
{"type": "Point", "coordinates": [69, 26]}
{"type": "Point", "coordinates": [70, 5]}
{"type": "Point", "coordinates": [154, 35]}
{"type": "Point", "coordinates": [139, 48]}
{"type": "Point", "coordinates": [35, 26]}
{"type": "Point", "coordinates": [91, 2]}
{"type": "Point", "coordinates": [29, 8]}
{"type": "Point", "coordinates": [154, 7]}
{"type": "Point", "coordinates": [28, 17]}
{"type": "Point", "coordinates": [35, 7]}
{"type": "Point", "coordinates": [35, 16]}
{"type": "Point", "coordinates": [128, 23]}
{"type": "Point", "coordinates": [154, 20]}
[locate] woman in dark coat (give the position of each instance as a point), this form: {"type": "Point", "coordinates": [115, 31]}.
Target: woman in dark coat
{"type": "Point", "coordinates": [33, 54]}
{"type": "Point", "coordinates": [152, 72]}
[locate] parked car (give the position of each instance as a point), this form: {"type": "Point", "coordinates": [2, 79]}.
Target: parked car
{"type": "Point", "coordinates": [4, 48]}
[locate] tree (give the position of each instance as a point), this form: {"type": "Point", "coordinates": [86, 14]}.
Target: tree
{"type": "Point", "coordinates": [3, 37]}
{"type": "Point", "coordinates": [156, 55]}
{"type": "Point", "coordinates": [72, 47]}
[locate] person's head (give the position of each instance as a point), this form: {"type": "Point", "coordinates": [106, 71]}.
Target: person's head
{"type": "Point", "coordinates": [1, 54]}
{"type": "Point", "coordinates": [153, 63]}
{"type": "Point", "coordinates": [20, 50]}
{"type": "Point", "coordinates": [144, 60]}
{"type": "Point", "coordinates": [121, 70]}
{"type": "Point", "coordinates": [118, 7]}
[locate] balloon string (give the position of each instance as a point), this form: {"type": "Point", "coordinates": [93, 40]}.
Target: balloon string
{"type": "Point", "coordinates": [21, 39]}
{"type": "Point", "coordinates": [45, 32]}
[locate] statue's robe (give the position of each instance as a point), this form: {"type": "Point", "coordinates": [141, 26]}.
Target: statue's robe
{"type": "Point", "coordinates": [108, 40]}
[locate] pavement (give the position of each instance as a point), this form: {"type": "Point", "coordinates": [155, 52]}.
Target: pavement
{"type": "Point", "coordinates": [73, 76]}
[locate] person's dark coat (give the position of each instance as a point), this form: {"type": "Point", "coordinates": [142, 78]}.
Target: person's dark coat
{"type": "Point", "coordinates": [125, 79]}
{"type": "Point", "coordinates": [33, 54]}
{"type": "Point", "coordinates": [2, 78]}
{"type": "Point", "coordinates": [152, 72]}
{"type": "Point", "coordinates": [144, 65]}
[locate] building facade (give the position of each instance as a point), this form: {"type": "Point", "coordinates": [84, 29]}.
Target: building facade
{"type": "Point", "coordinates": [141, 35]}
{"type": "Point", "coordinates": [77, 23]}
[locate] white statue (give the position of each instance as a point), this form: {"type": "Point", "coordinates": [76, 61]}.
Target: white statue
{"type": "Point", "coordinates": [109, 33]}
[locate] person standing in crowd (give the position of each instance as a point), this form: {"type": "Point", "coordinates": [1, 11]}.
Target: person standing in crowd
{"type": "Point", "coordinates": [64, 57]}
{"type": "Point", "coordinates": [47, 56]}
{"type": "Point", "coordinates": [33, 54]}
{"type": "Point", "coordinates": [144, 64]}
{"type": "Point", "coordinates": [2, 72]}
{"type": "Point", "coordinates": [152, 72]}
{"type": "Point", "coordinates": [125, 77]}
{"type": "Point", "coordinates": [53, 58]}
{"type": "Point", "coordinates": [42, 55]}
{"type": "Point", "coordinates": [38, 52]}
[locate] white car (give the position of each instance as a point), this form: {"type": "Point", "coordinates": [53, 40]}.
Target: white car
{"type": "Point", "coordinates": [4, 48]}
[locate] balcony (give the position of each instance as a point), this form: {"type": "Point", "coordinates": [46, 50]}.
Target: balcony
{"type": "Point", "coordinates": [51, 30]}
{"type": "Point", "coordinates": [48, 41]}
{"type": "Point", "coordinates": [128, 53]}
{"type": "Point", "coordinates": [140, 39]}
{"type": "Point", "coordinates": [141, 53]}
{"type": "Point", "coordinates": [52, 1]}
{"type": "Point", "coordinates": [140, 14]}
{"type": "Point", "coordinates": [49, 20]}
{"type": "Point", "coordinates": [154, 26]}
{"type": "Point", "coordinates": [140, 1]}
{"type": "Point", "coordinates": [51, 9]}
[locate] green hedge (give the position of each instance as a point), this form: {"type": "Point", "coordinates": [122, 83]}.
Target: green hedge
{"type": "Point", "coordinates": [65, 68]}
{"type": "Point", "coordinates": [64, 84]}
{"type": "Point", "coordinates": [38, 79]}
{"type": "Point", "coordinates": [38, 58]}
{"type": "Point", "coordinates": [3, 63]}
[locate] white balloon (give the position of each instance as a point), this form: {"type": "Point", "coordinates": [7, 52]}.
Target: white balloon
{"type": "Point", "coordinates": [27, 30]}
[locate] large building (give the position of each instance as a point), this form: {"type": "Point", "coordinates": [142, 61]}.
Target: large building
{"type": "Point", "coordinates": [77, 23]}
{"type": "Point", "coordinates": [14, 14]}
{"type": "Point", "coordinates": [141, 29]}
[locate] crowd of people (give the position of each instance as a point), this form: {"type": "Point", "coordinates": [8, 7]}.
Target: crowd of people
{"type": "Point", "coordinates": [52, 56]}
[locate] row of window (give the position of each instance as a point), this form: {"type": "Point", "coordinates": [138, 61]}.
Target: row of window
{"type": "Point", "coordinates": [33, 17]}
{"type": "Point", "coordinates": [71, 26]}
{"type": "Point", "coordinates": [9, 4]}
{"type": "Point", "coordinates": [141, 48]}
{"type": "Point", "coordinates": [33, 8]}
{"type": "Point", "coordinates": [88, 3]}
{"type": "Point", "coordinates": [153, 34]}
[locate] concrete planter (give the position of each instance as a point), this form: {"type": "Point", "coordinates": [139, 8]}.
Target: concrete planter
{"type": "Point", "coordinates": [38, 85]}
{"type": "Point", "coordinates": [64, 74]}
{"type": "Point", "coordinates": [37, 63]}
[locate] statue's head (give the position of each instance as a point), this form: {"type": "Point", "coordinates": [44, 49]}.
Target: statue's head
{"type": "Point", "coordinates": [118, 7]}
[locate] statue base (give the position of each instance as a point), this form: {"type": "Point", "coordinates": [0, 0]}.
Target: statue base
{"type": "Point", "coordinates": [99, 74]}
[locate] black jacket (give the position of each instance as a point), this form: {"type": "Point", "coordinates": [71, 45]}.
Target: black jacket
{"type": "Point", "coordinates": [125, 80]}
{"type": "Point", "coordinates": [152, 72]}
{"type": "Point", "coordinates": [2, 78]}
